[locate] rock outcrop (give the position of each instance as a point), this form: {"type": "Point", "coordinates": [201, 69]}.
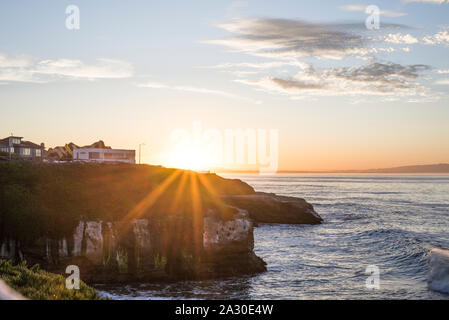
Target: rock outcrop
{"type": "Point", "coordinates": [149, 249]}
{"type": "Point", "coordinates": [126, 222]}
{"type": "Point", "coordinates": [439, 270]}
{"type": "Point", "coordinates": [228, 245]}
{"type": "Point", "coordinates": [270, 208]}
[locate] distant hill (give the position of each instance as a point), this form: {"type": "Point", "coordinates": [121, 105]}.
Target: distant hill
{"type": "Point", "coordinates": [430, 168]}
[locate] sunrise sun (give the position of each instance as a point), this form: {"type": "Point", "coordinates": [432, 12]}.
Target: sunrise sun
{"type": "Point", "coordinates": [190, 158]}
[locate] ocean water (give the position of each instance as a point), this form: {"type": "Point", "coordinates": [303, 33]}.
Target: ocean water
{"type": "Point", "coordinates": [389, 221]}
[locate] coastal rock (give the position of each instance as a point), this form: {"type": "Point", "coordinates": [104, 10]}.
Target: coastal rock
{"type": "Point", "coordinates": [93, 238]}
{"type": "Point", "coordinates": [220, 235]}
{"type": "Point", "coordinates": [8, 249]}
{"type": "Point", "coordinates": [162, 249]}
{"type": "Point", "coordinates": [270, 208]}
{"type": "Point", "coordinates": [229, 245]}
{"type": "Point", "coordinates": [438, 279]}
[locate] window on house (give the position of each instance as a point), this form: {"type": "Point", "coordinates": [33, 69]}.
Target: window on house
{"type": "Point", "coordinates": [94, 155]}
{"type": "Point", "coordinates": [112, 156]}
{"type": "Point", "coordinates": [26, 151]}
{"type": "Point", "coordinates": [38, 152]}
{"type": "Point", "coordinates": [15, 140]}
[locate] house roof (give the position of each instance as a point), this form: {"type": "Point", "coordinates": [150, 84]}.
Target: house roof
{"type": "Point", "coordinates": [30, 144]}
{"type": "Point", "coordinates": [26, 144]}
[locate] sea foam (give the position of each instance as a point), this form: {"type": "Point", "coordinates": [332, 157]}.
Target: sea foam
{"type": "Point", "coordinates": [439, 270]}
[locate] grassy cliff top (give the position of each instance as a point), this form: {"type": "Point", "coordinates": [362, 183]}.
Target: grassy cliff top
{"type": "Point", "coordinates": [50, 199]}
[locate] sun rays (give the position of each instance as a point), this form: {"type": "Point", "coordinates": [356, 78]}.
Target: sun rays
{"type": "Point", "coordinates": [182, 199]}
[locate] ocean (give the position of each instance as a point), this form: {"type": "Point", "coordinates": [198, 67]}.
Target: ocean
{"type": "Point", "coordinates": [386, 221]}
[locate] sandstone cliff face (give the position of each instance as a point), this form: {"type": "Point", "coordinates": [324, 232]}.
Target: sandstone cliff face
{"type": "Point", "coordinates": [229, 245]}
{"type": "Point", "coordinates": [270, 208]}
{"type": "Point", "coordinates": [146, 249]}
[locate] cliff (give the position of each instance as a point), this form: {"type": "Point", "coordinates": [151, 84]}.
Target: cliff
{"type": "Point", "coordinates": [270, 208]}
{"type": "Point", "coordinates": [147, 250]}
{"type": "Point", "coordinates": [129, 222]}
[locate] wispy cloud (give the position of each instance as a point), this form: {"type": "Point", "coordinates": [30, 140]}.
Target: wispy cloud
{"type": "Point", "coordinates": [19, 61]}
{"type": "Point", "coordinates": [362, 8]}
{"type": "Point", "coordinates": [28, 69]}
{"type": "Point", "coordinates": [439, 38]}
{"type": "Point", "coordinates": [371, 79]}
{"type": "Point", "coordinates": [291, 39]}
{"type": "Point", "coordinates": [427, 1]}
{"type": "Point", "coordinates": [442, 82]}
{"type": "Point", "coordinates": [259, 65]}
{"type": "Point", "coordinates": [187, 88]}
{"type": "Point", "coordinates": [288, 43]}
{"type": "Point", "coordinates": [399, 38]}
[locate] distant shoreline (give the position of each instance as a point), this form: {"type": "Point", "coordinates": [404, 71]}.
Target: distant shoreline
{"type": "Point", "coordinates": [442, 168]}
{"type": "Point", "coordinates": [332, 172]}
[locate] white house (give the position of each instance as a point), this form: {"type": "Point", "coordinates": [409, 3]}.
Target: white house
{"type": "Point", "coordinates": [104, 155]}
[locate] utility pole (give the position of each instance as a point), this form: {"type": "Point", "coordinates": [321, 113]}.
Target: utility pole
{"type": "Point", "coordinates": [140, 152]}
{"type": "Point", "coordinates": [10, 146]}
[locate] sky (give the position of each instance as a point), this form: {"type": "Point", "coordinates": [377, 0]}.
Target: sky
{"type": "Point", "coordinates": [340, 94]}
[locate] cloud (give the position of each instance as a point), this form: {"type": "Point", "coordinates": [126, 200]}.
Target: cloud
{"type": "Point", "coordinates": [386, 76]}
{"type": "Point", "coordinates": [441, 37]}
{"type": "Point", "coordinates": [288, 43]}
{"type": "Point", "coordinates": [260, 65]}
{"type": "Point", "coordinates": [387, 13]}
{"type": "Point", "coordinates": [399, 38]}
{"type": "Point", "coordinates": [292, 39]}
{"type": "Point", "coordinates": [15, 62]}
{"type": "Point", "coordinates": [187, 88]}
{"type": "Point", "coordinates": [442, 71]}
{"type": "Point", "coordinates": [27, 69]}
{"type": "Point", "coordinates": [442, 82]}
{"type": "Point", "coordinates": [288, 84]}
{"type": "Point", "coordinates": [370, 79]}
{"type": "Point", "coordinates": [427, 1]}
{"type": "Point", "coordinates": [102, 69]}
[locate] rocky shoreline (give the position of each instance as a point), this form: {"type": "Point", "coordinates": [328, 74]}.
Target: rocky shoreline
{"type": "Point", "coordinates": [271, 208]}
{"type": "Point", "coordinates": [202, 232]}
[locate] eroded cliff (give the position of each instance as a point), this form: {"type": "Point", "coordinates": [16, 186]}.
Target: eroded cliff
{"type": "Point", "coordinates": [128, 222]}
{"type": "Point", "coordinates": [147, 249]}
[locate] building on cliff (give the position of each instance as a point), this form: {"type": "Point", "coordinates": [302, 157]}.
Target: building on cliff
{"type": "Point", "coordinates": [96, 152]}
{"type": "Point", "coordinates": [104, 155]}
{"type": "Point", "coordinates": [15, 148]}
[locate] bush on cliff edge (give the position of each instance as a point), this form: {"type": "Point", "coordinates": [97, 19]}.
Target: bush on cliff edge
{"type": "Point", "coordinates": [34, 283]}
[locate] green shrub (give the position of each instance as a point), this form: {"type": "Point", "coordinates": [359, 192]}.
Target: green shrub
{"type": "Point", "coordinates": [34, 283]}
